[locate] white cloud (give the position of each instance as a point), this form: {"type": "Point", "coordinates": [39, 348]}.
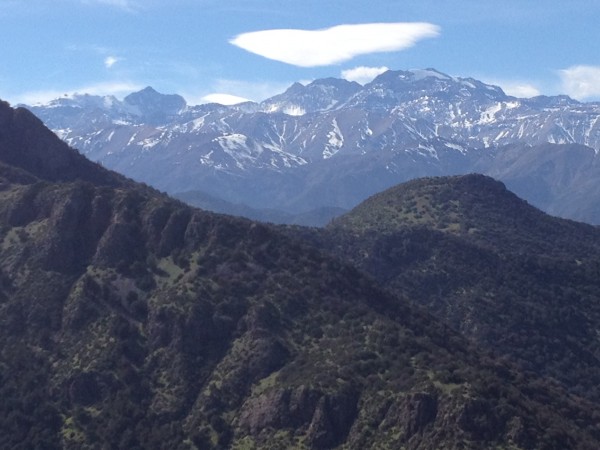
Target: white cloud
{"type": "Point", "coordinates": [581, 82]}
{"type": "Point", "coordinates": [310, 48]}
{"type": "Point", "coordinates": [117, 89]}
{"type": "Point", "coordinates": [110, 61]}
{"type": "Point", "coordinates": [236, 89]}
{"type": "Point", "coordinates": [362, 74]}
{"type": "Point", "coordinates": [223, 99]}
{"type": "Point", "coordinates": [520, 90]}
{"type": "Point", "coordinates": [516, 88]}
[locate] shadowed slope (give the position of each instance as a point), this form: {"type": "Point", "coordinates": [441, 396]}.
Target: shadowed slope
{"type": "Point", "coordinates": [27, 144]}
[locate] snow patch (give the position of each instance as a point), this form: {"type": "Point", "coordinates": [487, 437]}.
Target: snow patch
{"type": "Point", "coordinates": [198, 122]}
{"type": "Point", "coordinates": [453, 146]}
{"type": "Point", "coordinates": [206, 160]}
{"type": "Point", "coordinates": [63, 133]}
{"type": "Point", "coordinates": [286, 159]}
{"type": "Point", "coordinates": [233, 141]}
{"type": "Point", "coordinates": [501, 135]}
{"type": "Point", "coordinates": [132, 139]}
{"type": "Point", "coordinates": [489, 115]}
{"type": "Point", "coordinates": [149, 143]}
{"type": "Point", "coordinates": [335, 141]}
{"type": "Point", "coordinates": [294, 110]}
{"type": "Point", "coordinates": [427, 150]}
{"type": "Point", "coordinates": [236, 145]}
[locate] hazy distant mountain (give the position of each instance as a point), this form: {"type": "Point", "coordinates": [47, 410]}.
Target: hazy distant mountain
{"type": "Point", "coordinates": [130, 320]}
{"type": "Point", "coordinates": [563, 180]}
{"type": "Point", "coordinates": [155, 108]}
{"type": "Point", "coordinates": [316, 218]}
{"type": "Point", "coordinates": [332, 142]}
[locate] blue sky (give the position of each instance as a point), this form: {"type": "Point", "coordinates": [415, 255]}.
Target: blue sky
{"type": "Point", "coordinates": [199, 48]}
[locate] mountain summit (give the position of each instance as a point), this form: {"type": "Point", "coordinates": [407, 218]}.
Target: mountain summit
{"type": "Point", "coordinates": [320, 95]}
{"type": "Point", "coordinates": [155, 108]}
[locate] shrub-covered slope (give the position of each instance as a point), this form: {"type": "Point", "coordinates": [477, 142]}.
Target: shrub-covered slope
{"type": "Point", "coordinates": [515, 280]}
{"type": "Point", "coordinates": [129, 320]}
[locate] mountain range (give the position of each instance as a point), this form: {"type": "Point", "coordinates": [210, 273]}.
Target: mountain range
{"type": "Point", "coordinates": [131, 320]}
{"type": "Point", "coordinates": [332, 143]}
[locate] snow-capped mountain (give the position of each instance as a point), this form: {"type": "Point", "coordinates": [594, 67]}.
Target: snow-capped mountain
{"type": "Point", "coordinates": [328, 143]}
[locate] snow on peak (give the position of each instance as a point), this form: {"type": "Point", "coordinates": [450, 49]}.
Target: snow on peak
{"type": "Point", "coordinates": [335, 141]}
{"type": "Point", "coordinates": [420, 74]}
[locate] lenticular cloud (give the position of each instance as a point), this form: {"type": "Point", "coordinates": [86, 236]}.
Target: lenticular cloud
{"type": "Point", "coordinates": [363, 74]}
{"type": "Point", "coordinates": [310, 48]}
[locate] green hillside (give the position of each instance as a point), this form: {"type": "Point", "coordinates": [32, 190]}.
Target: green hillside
{"type": "Point", "coordinates": [516, 281]}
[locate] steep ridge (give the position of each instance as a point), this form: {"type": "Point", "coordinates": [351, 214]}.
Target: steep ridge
{"type": "Point", "coordinates": [155, 108]}
{"type": "Point", "coordinates": [25, 143]}
{"type": "Point", "coordinates": [130, 320]}
{"type": "Point", "coordinates": [509, 277]}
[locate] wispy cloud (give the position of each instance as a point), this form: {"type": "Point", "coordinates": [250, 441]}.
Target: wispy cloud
{"type": "Point", "coordinates": [516, 88]}
{"type": "Point", "coordinates": [110, 61]}
{"type": "Point", "coordinates": [581, 82]}
{"type": "Point", "coordinates": [520, 90]}
{"type": "Point", "coordinates": [105, 88]}
{"type": "Point", "coordinates": [310, 48]}
{"type": "Point", "coordinates": [362, 74]}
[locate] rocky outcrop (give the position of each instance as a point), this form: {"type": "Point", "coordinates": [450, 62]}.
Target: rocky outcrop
{"type": "Point", "coordinates": [324, 419]}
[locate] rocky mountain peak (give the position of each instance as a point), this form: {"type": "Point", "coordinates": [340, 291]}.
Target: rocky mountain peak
{"type": "Point", "coordinates": [154, 107]}
{"type": "Point", "coordinates": [557, 101]}
{"type": "Point", "coordinates": [417, 83]}
{"type": "Point", "coordinates": [404, 78]}
{"type": "Point", "coordinates": [319, 95]}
